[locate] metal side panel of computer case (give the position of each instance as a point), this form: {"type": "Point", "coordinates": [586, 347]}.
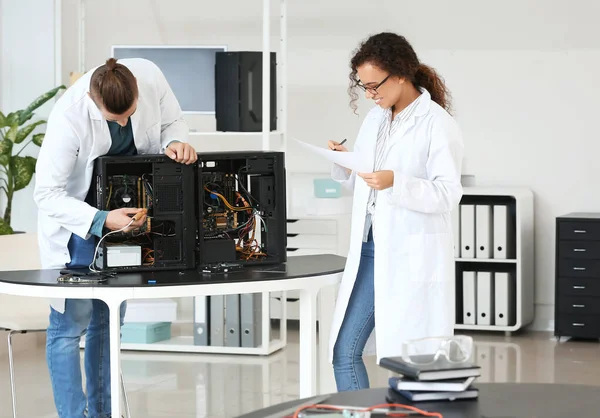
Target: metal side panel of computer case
{"type": "Point", "coordinates": [174, 201]}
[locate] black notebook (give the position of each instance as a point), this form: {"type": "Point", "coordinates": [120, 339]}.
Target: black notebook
{"type": "Point", "coordinates": [441, 369]}
{"type": "Point", "coordinates": [418, 396]}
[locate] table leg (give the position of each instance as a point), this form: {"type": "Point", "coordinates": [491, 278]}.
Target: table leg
{"type": "Point", "coordinates": [326, 309]}
{"type": "Point", "coordinates": [308, 340]}
{"type": "Point", "coordinates": [115, 357]}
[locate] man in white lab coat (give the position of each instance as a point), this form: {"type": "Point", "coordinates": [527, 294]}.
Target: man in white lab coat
{"type": "Point", "coordinates": [123, 108]}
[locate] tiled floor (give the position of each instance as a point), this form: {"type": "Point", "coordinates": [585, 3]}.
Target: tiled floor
{"type": "Point", "coordinates": [198, 386]}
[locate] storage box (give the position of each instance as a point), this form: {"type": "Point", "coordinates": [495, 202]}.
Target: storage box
{"type": "Point", "coordinates": [145, 332]}
{"type": "Point", "coordinates": [151, 310]}
{"type": "Point", "coordinates": [327, 188]}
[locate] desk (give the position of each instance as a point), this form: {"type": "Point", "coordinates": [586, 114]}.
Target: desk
{"type": "Point", "coordinates": [308, 274]}
{"type": "Point", "coordinates": [496, 400]}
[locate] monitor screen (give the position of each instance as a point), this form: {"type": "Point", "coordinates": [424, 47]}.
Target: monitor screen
{"type": "Point", "coordinates": [190, 71]}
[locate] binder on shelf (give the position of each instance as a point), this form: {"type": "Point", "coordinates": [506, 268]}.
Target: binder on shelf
{"type": "Point", "coordinates": [469, 297]}
{"type": "Point", "coordinates": [232, 320]}
{"type": "Point", "coordinates": [456, 230]}
{"type": "Point", "coordinates": [217, 320]}
{"type": "Point", "coordinates": [251, 319]}
{"type": "Point", "coordinates": [503, 299]}
{"type": "Point", "coordinates": [500, 234]}
{"type": "Point", "coordinates": [485, 309]}
{"type": "Point", "coordinates": [201, 314]}
{"type": "Point", "coordinates": [467, 231]}
{"type": "Point", "coordinates": [483, 231]}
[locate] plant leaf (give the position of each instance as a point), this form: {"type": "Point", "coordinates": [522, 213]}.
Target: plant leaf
{"type": "Point", "coordinates": [12, 119]}
{"type": "Point", "coordinates": [24, 132]}
{"type": "Point", "coordinates": [11, 135]}
{"type": "Point", "coordinates": [38, 139]}
{"type": "Point", "coordinates": [5, 228]}
{"type": "Point", "coordinates": [38, 102]}
{"type": "Point", "coordinates": [2, 120]}
{"type": "Point", "coordinates": [23, 117]}
{"type": "Point", "coordinates": [6, 147]}
{"type": "Point", "coordinates": [23, 172]}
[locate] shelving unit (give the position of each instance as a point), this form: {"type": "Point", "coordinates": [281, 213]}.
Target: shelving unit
{"type": "Point", "coordinates": [521, 267]}
{"type": "Point", "coordinates": [269, 344]}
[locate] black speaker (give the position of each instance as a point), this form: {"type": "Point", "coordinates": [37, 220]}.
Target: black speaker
{"type": "Point", "coordinates": [238, 91]}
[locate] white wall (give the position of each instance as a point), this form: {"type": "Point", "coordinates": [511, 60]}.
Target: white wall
{"type": "Point", "coordinates": [27, 69]}
{"type": "Point", "coordinates": [523, 74]}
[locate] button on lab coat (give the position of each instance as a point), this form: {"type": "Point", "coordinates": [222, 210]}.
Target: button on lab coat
{"type": "Point", "coordinates": [76, 135]}
{"type": "Point", "coordinates": [412, 231]}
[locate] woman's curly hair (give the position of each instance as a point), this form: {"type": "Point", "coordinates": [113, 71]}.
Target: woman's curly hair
{"type": "Point", "coordinates": [394, 54]}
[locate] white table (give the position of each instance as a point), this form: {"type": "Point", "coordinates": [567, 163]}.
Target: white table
{"type": "Point", "coordinates": [307, 274]}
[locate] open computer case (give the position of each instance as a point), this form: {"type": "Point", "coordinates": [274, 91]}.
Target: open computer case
{"type": "Point", "coordinates": [227, 208]}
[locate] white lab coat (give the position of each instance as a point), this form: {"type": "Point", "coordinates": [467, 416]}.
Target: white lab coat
{"type": "Point", "coordinates": [76, 135]}
{"type": "Point", "coordinates": [412, 232]}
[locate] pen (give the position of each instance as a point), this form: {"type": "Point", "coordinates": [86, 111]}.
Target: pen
{"type": "Point", "coordinates": [342, 143]}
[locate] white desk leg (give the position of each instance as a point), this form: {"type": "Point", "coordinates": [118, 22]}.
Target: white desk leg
{"type": "Point", "coordinates": [326, 308]}
{"type": "Point", "coordinates": [115, 357]}
{"type": "Point", "coordinates": [308, 342]}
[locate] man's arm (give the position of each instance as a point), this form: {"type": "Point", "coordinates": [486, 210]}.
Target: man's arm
{"type": "Point", "coordinates": [55, 165]}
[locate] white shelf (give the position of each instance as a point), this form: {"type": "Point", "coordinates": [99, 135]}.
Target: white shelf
{"type": "Point", "coordinates": [486, 328]}
{"type": "Point", "coordinates": [218, 133]}
{"type": "Point", "coordinates": [486, 260]}
{"type": "Point", "coordinates": [522, 266]}
{"type": "Point", "coordinates": [185, 344]}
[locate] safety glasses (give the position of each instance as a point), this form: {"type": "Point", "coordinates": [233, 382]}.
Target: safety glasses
{"type": "Point", "coordinates": [456, 349]}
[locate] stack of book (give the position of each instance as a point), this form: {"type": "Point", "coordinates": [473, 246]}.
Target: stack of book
{"type": "Point", "coordinates": [439, 380]}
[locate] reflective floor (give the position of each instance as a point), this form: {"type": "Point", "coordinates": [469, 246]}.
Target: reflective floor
{"type": "Point", "coordinates": [197, 386]}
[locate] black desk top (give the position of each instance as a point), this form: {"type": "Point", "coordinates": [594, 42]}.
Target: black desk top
{"type": "Point", "coordinates": [294, 268]}
{"type": "Point", "coordinates": [496, 400]}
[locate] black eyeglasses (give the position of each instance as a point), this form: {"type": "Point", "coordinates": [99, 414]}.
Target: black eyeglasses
{"type": "Point", "coordinates": [372, 90]}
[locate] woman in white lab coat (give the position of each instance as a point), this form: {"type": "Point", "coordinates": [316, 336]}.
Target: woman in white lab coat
{"type": "Point", "coordinates": [399, 275]}
{"type": "Point", "coordinates": [123, 108]}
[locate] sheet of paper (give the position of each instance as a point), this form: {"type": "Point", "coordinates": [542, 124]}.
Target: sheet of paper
{"type": "Point", "coordinates": [350, 160]}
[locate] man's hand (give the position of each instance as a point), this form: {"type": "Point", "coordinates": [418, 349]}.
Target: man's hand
{"type": "Point", "coordinates": [182, 152]}
{"type": "Point", "coordinates": [379, 180]}
{"type": "Point", "coordinates": [119, 218]}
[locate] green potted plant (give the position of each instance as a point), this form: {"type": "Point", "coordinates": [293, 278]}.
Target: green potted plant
{"type": "Point", "coordinates": [16, 171]}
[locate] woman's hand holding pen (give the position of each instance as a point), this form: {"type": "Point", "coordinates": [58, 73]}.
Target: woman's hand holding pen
{"type": "Point", "coordinates": [337, 146]}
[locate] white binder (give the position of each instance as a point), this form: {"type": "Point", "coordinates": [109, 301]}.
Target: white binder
{"type": "Point", "coordinates": [200, 320]}
{"type": "Point", "coordinates": [500, 231]}
{"type": "Point", "coordinates": [251, 319]}
{"type": "Point", "coordinates": [503, 299]}
{"type": "Point", "coordinates": [456, 230]}
{"type": "Point", "coordinates": [483, 231]}
{"type": "Point", "coordinates": [469, 297]}
{"type": "Point", "coordinates": [485, 309]}
{"type": "Point", "coordinates": [467, 231]}
{"type": "Point", "coordinates": [232, 321]}
{"type": "Point", "coordinates": [217, 320]}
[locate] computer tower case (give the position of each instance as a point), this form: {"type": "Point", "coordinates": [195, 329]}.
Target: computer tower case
{"type": "Point", "coordinates": [239, 92]}
{"type": "Point", "coordinates": [242, 208]}
{"type": "Point", "coordinates": [166, 189]}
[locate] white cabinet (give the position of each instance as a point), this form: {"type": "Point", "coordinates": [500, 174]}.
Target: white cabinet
{"type": "Point", "coordinates": [511, 262]}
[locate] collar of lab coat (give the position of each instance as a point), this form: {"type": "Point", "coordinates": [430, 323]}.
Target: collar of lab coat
{"type": "Point", "coordinates": [96, 114]}
{"type": "Point", "coordinates": [424, 103]}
